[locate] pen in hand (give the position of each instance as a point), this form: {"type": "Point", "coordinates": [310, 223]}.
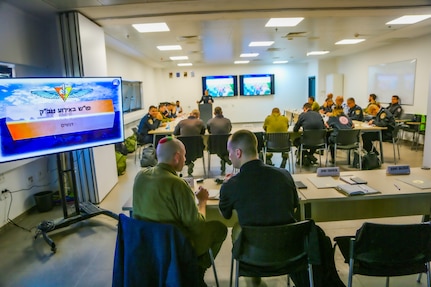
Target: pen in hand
{"type": "Point", "coordinates": [397, 186]}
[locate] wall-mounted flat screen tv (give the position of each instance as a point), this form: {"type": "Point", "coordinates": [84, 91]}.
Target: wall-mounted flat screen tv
{"type": "Point", "coordinates": [257, 84]}
{"type": "Point", "coordinates": [220, 86]}
{"type": "Point", "coordinates": [40, 116]}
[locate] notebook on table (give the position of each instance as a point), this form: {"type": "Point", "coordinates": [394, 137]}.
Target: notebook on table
{"type": "Point", "coordinates": [416, 181]}
{"type": "Point", "coordinates": [355, 189]}
{"type": "Point", "coordinates": [323, 182]}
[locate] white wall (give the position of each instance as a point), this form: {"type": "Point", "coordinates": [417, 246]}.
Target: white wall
{"type": "Point", "coordinates": [355, 70]}
{"type": "Point", "coordinates": [290, 90]}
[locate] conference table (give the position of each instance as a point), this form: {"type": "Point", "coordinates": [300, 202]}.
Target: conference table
{"type": "Point", "coordinates": [395, 198]}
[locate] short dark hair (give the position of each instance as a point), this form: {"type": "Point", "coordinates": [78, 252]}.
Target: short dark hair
{"type": "Point", "coordinates": [218, 111]}
{"type": "Point", "coordinates": [307, 106]}
{"type": "Point", "coordinates": [244, 140]}
{"type": "Point", "coordinates": [373, 96]}
{"type": "Point", "coordinates": [152, 107]}
{"type": "Point", "coordinates": [395, 96]}
{"type": "Point", "coordinates": [351, 99]}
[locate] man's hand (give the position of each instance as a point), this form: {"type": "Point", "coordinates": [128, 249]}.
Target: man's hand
{"type": "Point", "coordinates": [159, 116]}
{"type": "Point", "coordinates": [202, 194]}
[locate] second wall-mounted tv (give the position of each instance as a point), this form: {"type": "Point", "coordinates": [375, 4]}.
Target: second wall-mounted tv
{"type": "Point", "coordinates": [257, 84]}
{"type": "Point", "coordinates": [220, 86]}
{"type": "Point", "coordinates": [40, 116]}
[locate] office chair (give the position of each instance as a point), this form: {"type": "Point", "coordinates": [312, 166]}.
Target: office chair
{"type": "Point", "coordinates": [217, 144]}
{"type": "Point", "coordinates": [347, 140]}
{"type": "Point", "coordinates": [154, 254]}
{"type": "Point", "coordinates": [279, 142]}
{"type": "Point", "coordinates": [138, 147]}
{"type": "Point", "coordinates": [265, 251]}
{"type": "Point", "coordinates": [395, 141]}
{"type": "Point", "coordinates": [313, 139]}
{"type": "Point", "coordinates": [194, 149]}
{"type": "Point", "coordinates": [387, 250]}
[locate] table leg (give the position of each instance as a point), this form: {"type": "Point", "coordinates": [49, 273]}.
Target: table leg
{"type": "Point", "coordinates": [381, 146]}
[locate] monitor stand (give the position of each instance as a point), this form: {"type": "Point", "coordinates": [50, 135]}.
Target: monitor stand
{"type": "Point", "coordinates": [83, 210]}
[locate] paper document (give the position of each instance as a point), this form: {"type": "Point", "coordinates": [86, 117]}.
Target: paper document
{"type": "Point", "coordinates": [416, 181]}
{"type": "Point", "coordinates": [323, 182]}
{"type": "Point", "coordinates": [355, 189]}
{"type": "Point", "coordinates": [214, 193]}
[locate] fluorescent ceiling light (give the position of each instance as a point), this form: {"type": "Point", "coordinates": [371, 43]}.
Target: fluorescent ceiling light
{"type": "Point", "coordinates": [280, 62]}
{"type": "Point", "coordinates": [283, 22]}
{"type": "Point", "coordinates": [184, 64]}
{"type": "Point", "coordinates": [349, 41]}
{"type": "Point", "coordinates": [260, 43]}
{"type": "Point", "coordinates": [151, 27]}
{"type": "Point", "coordinates": [408, 19]}
{"type": "Point", "coordinates": [169, 47]}
{"type": "Point", "coordinates": [241, 62]}
{"type": "Point", "coordinates": [248, 55]}
{"type": "Point", "coordinates": [316, 53]}
{"type": "Point", "coordinates": [177, 58]}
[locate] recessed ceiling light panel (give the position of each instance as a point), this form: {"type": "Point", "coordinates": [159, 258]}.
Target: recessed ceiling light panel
{"type": "Point", "coordinates": [169, 47]}
{"type": "Point", "coordinates": [151, 27]}
{"type": "Point", "coordinates": [184, 64]}
{"type": "Point", "coordinates": [280, 62]}
{"type": "Point", "coordinates": [284, 22]}
{"type": "Point", "coordinates": [241, 62]}
{"type": "Point", "coordinates": [317, 53]}
{"type": "Point", "coordinates": [261, 43]}
{"type": "Point", "coordinates": [349, 41]}
{"type": "Point", "coordinates": [408, 19]}
{"type": "Point", "coordinates": [248, 55]}
{"type": "Point", "coordinates": [178, 58]}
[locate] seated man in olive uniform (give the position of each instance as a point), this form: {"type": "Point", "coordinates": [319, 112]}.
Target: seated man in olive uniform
{"type": "Point", "coordinates": [355, 112]}
{"type": "Point", "coordinates": [160, 195]}
{"type": "Point", "coordinates": [276, 123]}
{"type": "Point", "coordinates": [381, 118]}
{"type": "Point", "coordinates": [395, 107]}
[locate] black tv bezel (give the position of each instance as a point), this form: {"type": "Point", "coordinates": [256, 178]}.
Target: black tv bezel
{"type": "Point", "coordinates": [235, 84]}
{"type": "Point", "coordinates": [241, 84]}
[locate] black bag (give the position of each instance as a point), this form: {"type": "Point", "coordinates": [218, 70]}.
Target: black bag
{"type": "Point", "coordinates": [370, 161]}
{"type": "Point", "coordinates": [148, 157]}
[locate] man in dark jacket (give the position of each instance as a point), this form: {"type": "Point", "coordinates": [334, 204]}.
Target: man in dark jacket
{"type": "Point", "coordinates": [395, 107]}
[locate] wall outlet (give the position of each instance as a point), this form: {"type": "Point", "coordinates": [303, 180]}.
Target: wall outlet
{"type": "Point", "coordinates": [4, 196]}
{"type": "Point", "coordinates": [30, 181]}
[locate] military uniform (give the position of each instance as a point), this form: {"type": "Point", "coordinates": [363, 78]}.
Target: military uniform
{"type": "Point", "coordinates": [276, 123]}
{"type": "Point", "coordinates": [340, 122]}
{"type": "Point", "coordinates": [384, 118]}
{"type": "Point", "coordinates": [309, 120]}
{"type": "Point", "coordinates": [220, 125]}
{"type": "Point", "coordinates": [356, 113]}
{"type": "Point", "coordinates": [396, 110]}
{"type": "Point", "coordinates": [205, 99]}
{"type": "Point", "coordinates": [147, 124]}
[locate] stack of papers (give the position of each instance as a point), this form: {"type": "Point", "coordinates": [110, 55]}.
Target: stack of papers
{"type": "Point", "coordinates": [356, 189]}
{"type": "Point", "coordinates": [323, 182]}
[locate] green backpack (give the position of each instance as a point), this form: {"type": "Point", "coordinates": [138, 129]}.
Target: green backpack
{"type": "Point", "coordinates": [121, 162]}
{"type": "Point", "coordinates": [130, 143]}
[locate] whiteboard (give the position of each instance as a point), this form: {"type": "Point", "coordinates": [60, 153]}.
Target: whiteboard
{"type": "Point", "coordinates": [398, 78]}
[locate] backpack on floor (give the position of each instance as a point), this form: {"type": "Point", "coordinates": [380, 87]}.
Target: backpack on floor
{"type": "Point", "coordinates": [121, 162]}
{"type": "Point", "coordinates": [148, 157]}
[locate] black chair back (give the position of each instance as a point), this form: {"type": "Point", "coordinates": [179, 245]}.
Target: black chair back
{"type": "Point", "coordinates": [277, 142]}
{"type": "Point", "coordinates": [217, 144]}
{"type": "Point", "coordinates": [348, 137]}
{"type": "Point", "coordinates": [313, 138]}
{"type": "Point", "coordinates": [194, 147]}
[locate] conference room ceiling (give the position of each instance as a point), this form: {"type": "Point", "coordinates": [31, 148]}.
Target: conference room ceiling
{"type": "Point", "coordinates": [216, 32]}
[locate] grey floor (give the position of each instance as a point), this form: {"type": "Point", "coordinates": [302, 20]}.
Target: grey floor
{"type": "Point", "coordinates": [85, 249]}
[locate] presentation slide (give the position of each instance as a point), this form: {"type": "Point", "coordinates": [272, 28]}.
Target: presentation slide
{"type": "Point", "coordinates": [41, 116]}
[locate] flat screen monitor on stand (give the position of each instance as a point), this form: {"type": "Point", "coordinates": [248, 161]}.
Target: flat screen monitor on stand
{"type": "Point", "coordinates": [42, 116]}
